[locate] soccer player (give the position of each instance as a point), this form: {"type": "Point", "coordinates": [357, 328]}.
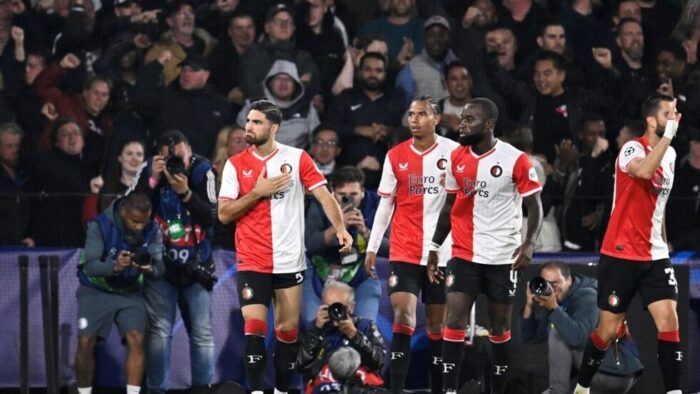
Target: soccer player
{"type": "Point", "coordinates": [486, 181]}
{"type": "Point", "coordinates": [262, 190]}
{"type": "Point", "coordinates": [411, 183]}
{"type": "Point", "coordinates": [634, 255]}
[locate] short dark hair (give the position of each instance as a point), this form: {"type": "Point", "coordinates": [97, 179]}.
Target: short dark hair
{"type": "Point", "coordinates": [651, 104]}
{"type": "Point", "coordinates": [138, 202]}
{"type": "Point", "coordinates": [675, 49]}
{"type": "Point", "coordinates": [272, 111]}
{"type": "Point", "coordinates": [432, 103]}
{"type": "Point", "coordinates": [372, 55]}
{"type": "Point", "coordinates": [521, 138]}
{"type": "Point", "coordinates": [95, 79]}
{"type": "Point", "coordinates": [637, 127]}
{"type": "Point", "coordinates": [551, 23]}
{"type": "Point", "coordinates": [488, 106]}
{"type": "Point", "coordinates": [589, 118]}
{"type": "Point", "coordinates": [325, 127]}
{"type": "Point", "coordinates": [348, 174]}
{"type": "Point", "coordinates": [176, 136]}
{"type": "Point", "coordinates": [625, 21]}
{"type": "Point", "coordinates": [454, 64]}
{"type": "Point", "coordinates": [62, 121]}
{"type": "Point", "coordinates": [557, 60]}
{"type": "Point", "coordinates": [563, 268]}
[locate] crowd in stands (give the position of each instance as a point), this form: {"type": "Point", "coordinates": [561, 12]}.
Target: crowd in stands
{"type": "Point", "coordinates": [88, 87]}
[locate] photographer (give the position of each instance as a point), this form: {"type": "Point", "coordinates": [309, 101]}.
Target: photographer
{"type": "Point", "coordinates": [327, 263]}
{"type": "Point", "coordinates": [567, 314]}
{"type": "Point", "coordinates": [182, 187]}
{"type": "Point", "coordinates": [337, 327]}
{"type": "Point", "coordinates": [123, 244]}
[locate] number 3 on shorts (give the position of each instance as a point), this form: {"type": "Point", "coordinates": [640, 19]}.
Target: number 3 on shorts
{"type": "Point", "coordinates": [671, 276]}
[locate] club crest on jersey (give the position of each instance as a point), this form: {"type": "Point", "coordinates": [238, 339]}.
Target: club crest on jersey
{"type": "Point", "coordinates": [393, 280]}
{"type": "Point", "coordinates": [442, 163]}
{"type": "Point", "coordinates": [403, 166]}
{"type": "Point", "coordinates": [460, 167]}
{"type": "Point", "coordinates": [286, 168]}
{"type": "Point", "coordinates": [248, 173]}
{"type": "Point", "coordinates": [247, 293]}
{"type": "Point", "coordinates": [450, 280]}
{"type": "Point", "coordinates": [496, 171]}
{"type": "Point", "coordinates": [613, 300]}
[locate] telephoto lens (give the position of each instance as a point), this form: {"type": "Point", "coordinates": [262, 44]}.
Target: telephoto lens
{"type": "Point", "coordinates": [539, 286]}
{"type": "Point", "coordinates": [337, 311]}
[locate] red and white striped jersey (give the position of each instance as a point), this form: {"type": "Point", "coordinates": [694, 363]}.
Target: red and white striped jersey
{"type": "Point", "coordinates": [634, 229]}
{"type": "Point", "coordinates": [487, 213]}
{"type": "Point", "coordinates": [270, 235]}
{"type": "Point", "coordinates": [413, 178]}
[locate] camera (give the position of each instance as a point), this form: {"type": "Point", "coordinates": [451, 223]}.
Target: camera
{"type": "Point", "coordinates": [347, 201]}
{"type": "Point", "coordinates": [539, 286]}
{"type": "Point", "coordinates": [200, 274]}
{"type": "Point", "coordinates": [174, 163]}
{"type": "Point", "coordinates": [337, 311]}
{"type": "Point", "coordinates": [139, 252]}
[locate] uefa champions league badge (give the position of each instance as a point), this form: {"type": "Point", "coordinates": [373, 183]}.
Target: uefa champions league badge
{"type": "Point", "coordinates": [247, 293]}
{"type": "Point", "coordinates": [393, 280]}
{"type": "Point", "coordinates": [450, 280]}
{"type": "Point", "coordinates": [613, 300]}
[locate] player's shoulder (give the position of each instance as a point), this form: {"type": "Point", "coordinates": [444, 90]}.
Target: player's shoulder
{"type": "Point", "coordinates": [634, 146]}
{"type": "Point", "coordinates": [242, 157]}
{"type": "Point", "coordinates": [447, 143]}
{"type": "Point", "coordinates": [505, 148]}
{"type": "Point", "coordinates": [400, 149]}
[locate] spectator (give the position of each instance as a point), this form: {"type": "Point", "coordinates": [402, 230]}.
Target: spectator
{"type": "Point", "coordinates": [325, 148]}
{"type": "Point", "coordinates": [687, 32]}
{"type": "Point", "coordinates": [470, 37]}
{"type": "Point", "coordinates": [321, 38]}
{"type": "Point", "coordinates": [230, 141]}
{"type": "Point", "coordinates": [459, 88]}
{"type": "Point", "coordinates": [188, 105]}
{"type": "Point", "coordinates": [226, 57]}
{"type": "Point", "coordinates": [366, 115]}
{"type": "Point", "coordinates": [122, 247]}
{"type": "Point", "coordinates": [565, 317]}
{"type": "Point", "coordinates": [525, 19]}
{"type": "Point", "coordinates": [346, 79]}
{"type": "Point", "coordinates": [184, 205]}
{"type": "Point", "coordinates": [332, 332]}
{"type": "Point", "coordinates": [403, 31]}
{"type": "Point", "coordinates": [181, 39]}
{"type": "Point", "coordinates": [588, 180]}
{"type": "Point", "coordinates": [683, 222]}
{"type": "Point", "coordinates": [62, 170]}
{"type": "Point", "coordinates": [629, 81]}
{"type": "Point", "coordinates": [88, 108]}
{"type": "Point", "coordinates": [423, 74]}
{"type": "Point", "coordinates": [502, 42]}
{"type": "Point", "coordinates": [673, 73]}
{"type": "Point", "coordinates": [215, 17]}
{"type": "Point", "coordinates": [659, 17]}
{"type": "Point", "coordinates": [277, 44]}
{"type": "Point", "coordinates": [125, 16]}
{"type": "Point", "coordinates": [299, 117]}
{"type": "Point", "coordinates": [16, 209]}
{"type": "Point", "coordinates": [327, 264]}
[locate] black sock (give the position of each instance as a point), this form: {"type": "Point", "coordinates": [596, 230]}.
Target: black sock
{"type": "Point", "coordinates": [436, 366]}
{"type": "Point", "coordinates": [592, 357]}
{"type": "Point", "coordinates": [452, 355]}
{"type": "Point", "coordinates": [501, 362]}
{"type": "Point", "coordinates": [670, 362]}
{"type": "Point", "coordinates": [285, 364]}
{"type": "Point", "coordinates": [255, 361]}
{"type": "Point", "coordinates": [400, 360]}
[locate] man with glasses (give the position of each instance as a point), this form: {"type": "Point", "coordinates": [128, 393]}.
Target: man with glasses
{"type": "Point", "coordinates": [325, 148]}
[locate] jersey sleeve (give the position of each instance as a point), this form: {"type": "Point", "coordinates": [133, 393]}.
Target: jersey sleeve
{"type": "Point", "coordinates": [630, 151]}
{"type": "Point", "coordinates": [229, 183]}
{"type": "Point", "coordinates": [451, 185]}
{"type": "Point", "coordinates": [311, 176]}
{"type": "Point", "coordinates": [387, 185]}
{"type": "Point", "coordinates": [525, 176]}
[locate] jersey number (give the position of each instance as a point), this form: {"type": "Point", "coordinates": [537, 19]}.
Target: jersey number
{"type": "Point", "coordinates": [299, 277]}
{"type": "Point", "coordinates": [671, 276]}
{"type": "Point", "coordinates": [179, 255]}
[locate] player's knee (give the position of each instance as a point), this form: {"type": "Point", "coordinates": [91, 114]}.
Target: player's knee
{"type": "Point", "coordinates": [434, 327]}
{"type": "Point", "coordinates": [405, 317]}
{"type": "Point", "coordinates": [457, 321]}
{"type": "Point", "coordinates": [286, 334]}
{"type": "Point", "coordinates": [86, 344]}
{"type": "Point", "coordinates": [255, 327]}
{"type": "Point", "coordinates": [667, 322]}
{"type": "Point", "coordinates": [134, 339]}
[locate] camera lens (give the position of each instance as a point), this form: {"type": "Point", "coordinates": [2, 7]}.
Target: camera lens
{"type": "Point", "coordinates": [337, 311]}
{"type": "Point", "coordinates": [540, 286]}
{"type": "Point", "coordinates": [175, 165]}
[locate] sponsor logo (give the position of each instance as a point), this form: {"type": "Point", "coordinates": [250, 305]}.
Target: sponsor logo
{"type": "Point", "coordinates": [417, 185]}
{"type": "Point", "coordinates": [532, 174]}
{"type": "Point", "coordinates": [403, 166]}
{"type": "Point", "coordinates": [396, 355]}
{"type": "Point", "coordinates": [460, 167]}
{"type": "Point", "coordinates": [475, 187]}
{"type": "Point", "coordinates": [496, 171]}
{"type": "Point", "coordinates": [447, 367]}
{"type": "Point", "coordinates": [450, 280]}
{"type": "Point", "coordinates": [286, 168]}
{"type": "Point", "coordinates": [442, 164]}
{"type": "Point", "coordinates": [393, 280]}
{"type": "Point", "coordinates": [247, 173]}
{"type": "Point", "coordinates": [500, 369]}
{"type": "Point", "coordinates": [437, 360]}
{"type": "Point", "coordinates": [247, 293]}
{"type": "Point", "coordinates": [613, 300]}
{"type": "Point", "coordinates": [254, 358]}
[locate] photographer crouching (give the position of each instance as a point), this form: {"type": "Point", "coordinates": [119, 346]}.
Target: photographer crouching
{"type": "Point", "coordinates": [182, 187]}
{"type": "Point", "coordinates": [122, 245]}
{"type": "Point", "coordinates": [335, 330]}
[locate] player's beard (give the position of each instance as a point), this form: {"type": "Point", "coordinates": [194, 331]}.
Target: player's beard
{"type": "Point", "coordinates": [660, 128]}
{"type": "Point", "coordinates": [257, 141]}
{"type": "Point", "coordinates": [471, 139]}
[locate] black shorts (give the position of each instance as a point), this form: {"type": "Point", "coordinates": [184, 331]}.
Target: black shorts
{"type": "Point", "coordinates": [413, 278]}
{"type": "Point", "coordinates": [497, 282]}
{"type": "Point", "coordinates": [99, 310]}
{"type": "Point", "coordinates": [258, 287]}
{"type": "Point", "coordinates": [619, 279]}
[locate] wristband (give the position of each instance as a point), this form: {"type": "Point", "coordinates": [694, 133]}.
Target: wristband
{"type": "Point", "coordinates": [152, 182]}
{"type": "Point", "coordinates": [434, 247]}
{"type": "Point", "coordinates": [671, 128]}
